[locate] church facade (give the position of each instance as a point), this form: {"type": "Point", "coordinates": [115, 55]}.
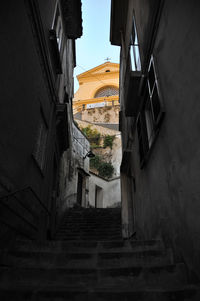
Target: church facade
{"type": "Point", "coordinates": [98, 92]}
{"type": "Point", "coordinates": [96, 111]}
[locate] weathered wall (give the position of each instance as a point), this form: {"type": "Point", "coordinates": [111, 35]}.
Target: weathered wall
{"type": "Point", "coordinates": [167, 189]}
{"type": "Point", "coordinates": [107, 114]}
{"type": "Point", "coordinates": [111, 191]}
{"type": "Point", "coordinates": [30, 89]}
{"type": "Point", "coordinates": [26, 96]}
{"type": "Point", "coordinates": [72, 160]}
{"type": "Point", "coordinates": [113, 155]}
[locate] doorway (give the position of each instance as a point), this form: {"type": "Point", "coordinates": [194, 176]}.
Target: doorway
{"type": "Point", "coordinates": [79, 189]}
{"type": "Point", "coordinates": [98, 197]}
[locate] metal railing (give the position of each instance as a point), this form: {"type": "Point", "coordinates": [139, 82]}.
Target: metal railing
{"type": "Point", "coordinates": [107, 103]}
{"type": "Point", "coordinates": [21, 204]}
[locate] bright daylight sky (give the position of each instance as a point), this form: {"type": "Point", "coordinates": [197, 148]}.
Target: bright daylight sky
{"type": "Point", "coordinates": [94, 46]}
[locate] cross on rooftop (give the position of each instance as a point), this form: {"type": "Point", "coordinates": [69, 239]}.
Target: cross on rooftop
{"type": "Point", "coordinates": [107, 59]}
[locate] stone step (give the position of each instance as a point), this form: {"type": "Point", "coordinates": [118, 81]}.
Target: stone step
{"type": "Point", "coordinates": [90, 224]}
{"type": "Point", "coordinates": [90, 234]}
{"type": "Point", "coordinates": [94, 219]}
{"type": "Point", "coordinates": [136, 245]}
{"type": "Point", "coordinates": [92, 238]}
{"type": "Point", "coordinates": [90, 230]}
{"type": "Point", "coordinates": [99, 294]}
{"type": "Point", "coordinates": [118, 245]}
{"type": "Point", "coordinates": [135, 258]}
{"type": "Point", "coordinates": [86, 234]}
{"type": "Point", "coordinates": [81, 260]}
{"type": "Point", "coordinates": [134, 276]}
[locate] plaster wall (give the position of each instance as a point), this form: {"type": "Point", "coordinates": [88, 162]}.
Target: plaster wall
{"type": "Point", "coordinates": [111, 191]}
{"type": "Point", "coordinates": [167, 188]}
{"type": "Point", "coordinates": [72, 160]}
{"type": "Point", "coordinates": [115, 154]}
{"type": "Point", "coordinates": [87, 90]}
{"type": "Point", "coordinates": [95, 79]}
{"type": "Point", "coordinates": [30, 89]}
{"type": "Point", "coordinates": [107, 114]}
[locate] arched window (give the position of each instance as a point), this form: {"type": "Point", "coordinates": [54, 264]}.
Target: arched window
{"type": "Point", "coordinates": [107, 91]}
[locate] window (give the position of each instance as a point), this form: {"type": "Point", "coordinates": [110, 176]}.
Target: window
{"type": "Point", "coordinates": [150, 115]}
{"type": "Point", "coordinates": [57, 26]}
{"type": "Point", "coordinates": [153, 91]}
{"type": "Point", "coordinates": [134, 50]}
{"type": "Point", "coordinates": [39, 152]}
{"type": "Point", "coordinates": [107, 91]}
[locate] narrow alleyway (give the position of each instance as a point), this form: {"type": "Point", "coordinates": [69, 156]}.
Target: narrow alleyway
{"type": "Point", "coordinates": [99, 184]}
{"type": "Point", "coordinates": [90, 261]}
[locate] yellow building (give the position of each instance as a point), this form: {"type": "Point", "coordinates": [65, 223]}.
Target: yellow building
{"type": "Point", "coordinates": [96, 105]}
{"type": "Point", "coordinates": [98, 88]}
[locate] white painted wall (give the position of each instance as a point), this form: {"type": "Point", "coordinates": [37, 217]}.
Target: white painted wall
{"type": "Point", "coordinates": [111, 190]}
{"type": "Point", "coordinates": [72, 159]}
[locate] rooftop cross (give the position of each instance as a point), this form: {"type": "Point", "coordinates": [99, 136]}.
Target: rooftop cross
{"type": "Point", "coordinates": [107, 59]}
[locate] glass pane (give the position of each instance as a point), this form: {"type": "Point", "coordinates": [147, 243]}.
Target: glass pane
{"type": "Point", "coordinates": [135, 58]}
{"type": "Point", "coordinates": [156, 104]}
{"type": "Point", "coordinates": [151, 77]}
{"type": "Point", "coordinates": [149, 121]}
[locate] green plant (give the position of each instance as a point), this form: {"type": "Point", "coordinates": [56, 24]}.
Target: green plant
{"type": "Point", "coordinates": [95, 162]}
{"type": "Point", "coordinates": [106, 170]}
{"type": "Point", "coordinates": [94, 145]}
{"type": "Point", "coordinates": [108, 141]}
{"type": "Point", "coordinates": [92, 135]}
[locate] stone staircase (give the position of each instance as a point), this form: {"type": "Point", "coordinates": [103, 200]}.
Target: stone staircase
{"type": "Point", "coordinates": [91, 224]}
{"type": "Point", "coordinates": [80, 269]}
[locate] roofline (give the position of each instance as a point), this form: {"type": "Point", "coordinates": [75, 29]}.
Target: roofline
{"type": "Point", "coordinates": [95, 68]}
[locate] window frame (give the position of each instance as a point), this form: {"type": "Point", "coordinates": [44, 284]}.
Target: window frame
{"type": "Point", "coordinates": [134, 50]}
{"type": "Point", "coordinates": [58, 27]}
{"type": "Point", "coordinates": [151, 91]}
{"type": "Point", "coordinates": [109, 89]}
{"type": "Point", "coordinates": [150, 126]}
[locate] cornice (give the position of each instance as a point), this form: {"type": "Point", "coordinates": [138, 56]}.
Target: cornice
{"type": "Point", "coordinates": [77, 103]}
{"type": "Point", "coordinates": [98, 68]}
{"type": "Point", "coordinates": [99, 76]}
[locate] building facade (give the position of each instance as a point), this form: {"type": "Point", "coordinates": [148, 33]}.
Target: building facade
{"type": "Point", "coordinates": [74, 172]}
{"type": "Point", "coordinates": [97, 99]}
{"type": "Point", "coordinates": [104, 193]}
{"type": "Point", "coordinates": [37, 65]}
{"type": "Point", "coordinates": [96, 111]}
{"type": "Point", "coordinates": [159, 121]}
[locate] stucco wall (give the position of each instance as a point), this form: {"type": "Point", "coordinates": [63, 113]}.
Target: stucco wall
{"type": "Point", "coordinates": [107, 114]}
{"type": "Point", "coordinates": [115, 154]}
{"type": "Point", "coordinates": [95, 80]}
{"type": "Point", "coordinates": [72, 160]}
{"type": "Point", "coordinates": [167, 188]}
{"type": "Point", "coordinates": [111, 191]}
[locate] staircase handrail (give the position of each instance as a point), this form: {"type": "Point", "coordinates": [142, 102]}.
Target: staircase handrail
{"type": "Point", "coordinates": [29, 188]}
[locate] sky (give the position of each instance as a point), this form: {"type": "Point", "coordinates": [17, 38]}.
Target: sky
{"type": "Point", "coordinates": [94, 46]}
